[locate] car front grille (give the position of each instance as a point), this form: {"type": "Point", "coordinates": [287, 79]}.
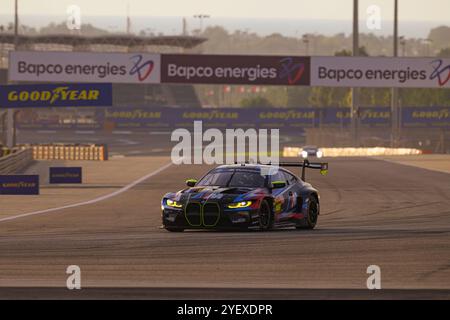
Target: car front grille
{"type": "Point", "coordinates": [211, 214]}
{"type": "Point", "coordinates": [193, 212]}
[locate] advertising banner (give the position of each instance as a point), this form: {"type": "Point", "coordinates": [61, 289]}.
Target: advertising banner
{"type": "Point", "coordinates": [19, 184]}
{"type": "Point", "coordinates": [129, 118]}
{"type": "Point", "coordinates": [292, 118]}
{"type": "Point", "coordinates": [55, 95]}
{"type": "Point", "coordinates": [426, 117]}
{"type": "Point", "coordinates": [51, 66]}
{"type": "Point", "coordinates": [233, 69]}
{"type": "Point", "coordinates": [380, 72]}
{"type": "Point", "coordinates": [72, 175]}
{"type": "Point", "coordinates": [367, 116]}
{"type": "Point", "coordinates": [163, 118]}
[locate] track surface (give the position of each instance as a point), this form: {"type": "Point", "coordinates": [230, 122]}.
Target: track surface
{"type": "Point", "coordinates": [373, 212]}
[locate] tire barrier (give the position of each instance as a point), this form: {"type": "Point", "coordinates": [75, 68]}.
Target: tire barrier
{"type": "Point", "coordinates": [354, 152]}
{"type": "Point", "coordinates": [91, 152]}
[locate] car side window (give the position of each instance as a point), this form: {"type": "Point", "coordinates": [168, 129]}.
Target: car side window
{"type": "Point", "coordinates": [291, 179]}
{"type": "Point", "coordinates": [279, 176]}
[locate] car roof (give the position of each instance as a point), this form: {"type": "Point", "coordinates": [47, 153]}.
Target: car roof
{"type": "Point", "coordinates": [251, 167]}
{"type": "Point", "coordinates": [245, 166]}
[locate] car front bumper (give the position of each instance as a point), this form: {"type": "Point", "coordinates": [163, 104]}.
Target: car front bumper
{"type": "Point", "coordinates": [204, 218]}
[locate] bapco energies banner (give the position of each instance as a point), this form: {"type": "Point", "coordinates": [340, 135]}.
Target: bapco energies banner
{"type": "Point", "coordinates": [229, 69]}
{"type": "Point", "coordinates": [380, 72]}
{"type": "Point", "coordinates": [84, 67]}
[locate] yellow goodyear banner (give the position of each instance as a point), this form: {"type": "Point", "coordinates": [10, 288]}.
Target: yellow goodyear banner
{"type": "Point", "coordinates": [56, 95]}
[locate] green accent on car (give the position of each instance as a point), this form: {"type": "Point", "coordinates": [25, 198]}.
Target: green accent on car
{"type": "Point", "coordinates": [278, 184]}
{"type": "Point", "coordinates": [191, 182]}
{"type": "Point", "coordinates": [324, 169]}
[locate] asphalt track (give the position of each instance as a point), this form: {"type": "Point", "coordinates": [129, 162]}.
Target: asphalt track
{"type": "Point", "coordinates": [373, 213]}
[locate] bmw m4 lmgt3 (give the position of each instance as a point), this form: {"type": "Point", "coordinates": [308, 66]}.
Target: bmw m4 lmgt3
{"type": "Point", "coordinates": [244, 196]}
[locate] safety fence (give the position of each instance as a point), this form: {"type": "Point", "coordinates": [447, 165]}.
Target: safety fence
{"type": "Point", "coordinates": [16, 160]}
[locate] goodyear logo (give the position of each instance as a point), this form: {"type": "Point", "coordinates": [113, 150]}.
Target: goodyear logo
{"type": "Point", "coordinates": [54, 95]}
{"type": "Point", "coordinates": [19, 184]}
{"type": "Point", "coordinates": [441, 114]}
{"type": "Point", "coordinates": [65, 175]}
{"type": "Point", "coordinates": [287, 115]}
{"type": "Point", "coordinates": [210, 115]}
{"type": "Point", "coordinates": [132, 114]}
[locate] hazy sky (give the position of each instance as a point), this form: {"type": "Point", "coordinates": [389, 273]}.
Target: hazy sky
{"type": "Point", "coordinates": [429, 10]}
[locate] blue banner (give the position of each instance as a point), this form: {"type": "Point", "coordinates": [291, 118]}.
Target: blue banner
{"type": "Point", "coordinates": [56, 95]}
{"type": "Point", "coordinates": [19, 184]}
{"type": "Point", "coordinates": [436, 117]}
{"type": "Point", "coordinates": [165, 118]}
{"type": "Point", "coordinates": [65, 175]}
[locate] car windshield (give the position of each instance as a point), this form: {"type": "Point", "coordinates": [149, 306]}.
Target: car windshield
{"type": "Point", "coordinates": [233, 178]}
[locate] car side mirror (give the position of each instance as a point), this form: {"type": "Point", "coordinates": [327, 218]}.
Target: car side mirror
{"type": "Point", "coordinates": [191, 182]}
{"type": "Point", "coordinates": [278, 184]}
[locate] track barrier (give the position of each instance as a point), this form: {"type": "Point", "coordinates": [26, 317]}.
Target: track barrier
{"type": "Point", "coordinates": [355, 152]}
{"type": "Point", "coordinates": [91, 152]}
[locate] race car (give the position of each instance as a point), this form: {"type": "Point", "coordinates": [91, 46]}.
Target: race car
{"type": "Point", "coordinates": [245, 196]}
{"type": "Point", "coordinates": [311, 151]}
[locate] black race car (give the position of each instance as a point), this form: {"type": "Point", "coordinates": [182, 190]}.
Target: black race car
{"type": "Point", "coordinates": [245, 196]}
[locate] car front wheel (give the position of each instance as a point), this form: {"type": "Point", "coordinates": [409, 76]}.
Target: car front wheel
{"type": "Point", "coordinates": [265, 216]}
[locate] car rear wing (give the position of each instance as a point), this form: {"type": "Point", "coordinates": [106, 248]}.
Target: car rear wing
{"type": "Point", "coordinates": [322, 166]}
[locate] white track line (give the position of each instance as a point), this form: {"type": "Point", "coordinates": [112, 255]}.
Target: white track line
{"type": "Point", "coordinates": [105, 197]}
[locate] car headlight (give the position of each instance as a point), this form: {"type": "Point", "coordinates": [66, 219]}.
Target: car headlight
{"type": "Point", "coordinates": [304, 154]}
{"type": "Point", "coordinates": [319, 154]}
{"type": "Point", "coordinates": [243, 204]}
{"type": "Point", "coordinates": [173, 204]}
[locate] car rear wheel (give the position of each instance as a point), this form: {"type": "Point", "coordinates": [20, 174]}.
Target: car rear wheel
{"type": "Point", "coordinates": [310, 221]}
{"type": "Point", "coordinates": [265, 216]}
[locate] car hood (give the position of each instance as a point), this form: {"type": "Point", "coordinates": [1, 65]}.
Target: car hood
{"type": "Point", "coordinates": [231, 194]}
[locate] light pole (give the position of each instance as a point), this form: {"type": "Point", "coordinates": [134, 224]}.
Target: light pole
{"type": "Point", "coordinates": [402, 41]}
{"type": "Point", "coordinates": [394, 91]}
{"type": "Point", "coordinates": [355, 91]}
{"type": "Point", "coordinates": [10, 132]}
{"type": "Point", "coordinates": [305, 40]}
{"type": "Point", "coordinates": [201, 17]}
{"type": "Point", "coordinates": [428, 42]}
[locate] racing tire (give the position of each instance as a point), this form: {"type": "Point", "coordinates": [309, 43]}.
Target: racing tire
{"type": "Point", "coordinates": [174, 229]}
{"type": "Point", "coordinates": [310, 221]}
{"type": "Point", "coordinates": [265, 216]}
